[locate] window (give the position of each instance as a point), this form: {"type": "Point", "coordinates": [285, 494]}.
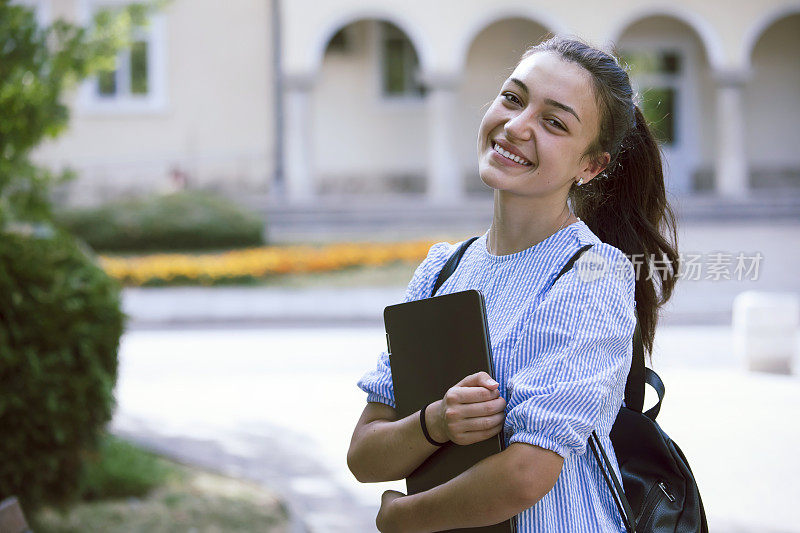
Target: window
{"type": "Point", "coordinates": [657, 76]}
{"type": "Point", "coordinates": [132, 73]}
{"type": "Point", "coordinates": [137, 83]}
{"type": "Point", "coordinates": [399, 64]}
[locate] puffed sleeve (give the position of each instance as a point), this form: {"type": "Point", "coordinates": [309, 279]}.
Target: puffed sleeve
{"type": "Point", "coordinates": [577, 351]}
{"type": "Point", "coordinates": [377, 383]}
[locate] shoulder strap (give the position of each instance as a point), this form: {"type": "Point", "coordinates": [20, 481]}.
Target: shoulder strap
{"type": "Point", "coordinates": [572, 260]}
{"type": "Point", "coordinates": [617, 492]}
{"type": "Point", "coordinates": [634, 386]}
{"type": "Point", "coordinates": [451, 264]}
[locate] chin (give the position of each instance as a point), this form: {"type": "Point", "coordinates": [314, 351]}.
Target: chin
{"type": "Point", "coordinates": [494, 180]}
{"type": "Point", "coordinates": [488, 176]}
{"type": "Point", "coordinates": [494, 174]}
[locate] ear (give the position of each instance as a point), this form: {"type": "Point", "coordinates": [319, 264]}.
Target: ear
{"type": "Point", "coordinates": [594, 167]}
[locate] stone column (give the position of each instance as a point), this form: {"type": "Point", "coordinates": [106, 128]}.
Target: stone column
{"type": "Point", "coordinates": [731, 172]}
{"type": "Point", "coordinates": [297, 142]}
{"type": "Point", "coordinates": [444, 179]}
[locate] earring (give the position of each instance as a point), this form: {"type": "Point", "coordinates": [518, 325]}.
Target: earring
{"type": "Point", "coordinates": [579, 182]}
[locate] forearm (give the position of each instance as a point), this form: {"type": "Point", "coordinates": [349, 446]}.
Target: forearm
{"type": "Point", "coordinates": [389, 450]}
{"type": "Point", "coordinates": [490, 492]}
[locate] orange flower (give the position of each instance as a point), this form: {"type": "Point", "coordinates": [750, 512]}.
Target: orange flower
{"type": "Point", "coordinates": [259, 262]}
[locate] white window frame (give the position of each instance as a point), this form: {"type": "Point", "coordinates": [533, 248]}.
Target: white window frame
{"type": "Point", "coordinates": [89, 102]}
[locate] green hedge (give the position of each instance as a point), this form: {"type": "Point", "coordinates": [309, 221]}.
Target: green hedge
{"type": "Point", "coordinates": [193, 220]}
{"type": "Point", "coordinates": [60, 325]}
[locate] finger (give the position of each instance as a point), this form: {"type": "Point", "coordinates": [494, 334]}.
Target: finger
{"type": "Point", "coordinates": [478, 436]}
{"type": "Point", "coordinates": [471, 394]}
{"type": "Point", "coordinates": [481, 423]}
{"type": "Point", "coordinates": [479, 379]}
{"type": "Point", "coordinates": [391, 495]}
{"type": "Point", "coordinates": [487, 408]}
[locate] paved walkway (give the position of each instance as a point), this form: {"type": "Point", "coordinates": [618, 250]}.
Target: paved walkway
{"type": "Point", "coordinates": [239, 401]}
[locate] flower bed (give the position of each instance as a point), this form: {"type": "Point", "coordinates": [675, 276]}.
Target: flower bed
{"type": "Point", "coordinates": [252, 264]}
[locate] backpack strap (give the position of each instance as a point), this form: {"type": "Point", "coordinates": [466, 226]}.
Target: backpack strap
{"type": "Point", "coordinates": [571, 261]}
{"type": "Point", "coordinates": [617, 492]}
{"type": "Point", "coordinates": [634, 399]}
{"type": "Point", "coordinates": [634, 387]}
{"type": "Point", "coordinates": [451, 264]}
{"type": "Point", "coordinates": [654, 381]}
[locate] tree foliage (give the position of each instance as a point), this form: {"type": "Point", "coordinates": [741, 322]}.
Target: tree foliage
{"type": "Point", "coordinates": [38, 66]}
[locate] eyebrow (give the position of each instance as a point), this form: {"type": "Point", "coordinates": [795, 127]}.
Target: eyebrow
{"type": "Point", "coordinates": [548, 101]}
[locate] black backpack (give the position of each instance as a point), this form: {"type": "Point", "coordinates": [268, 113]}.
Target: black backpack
{"type": "Point", "coordinates": [660, 492]}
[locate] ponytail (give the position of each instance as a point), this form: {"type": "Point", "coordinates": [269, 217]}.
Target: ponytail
{"type": "Point", "coordinates": [627, 207]}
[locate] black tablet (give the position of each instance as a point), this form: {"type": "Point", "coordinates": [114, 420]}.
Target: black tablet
{"type": "Point", "coordinates": [433, 344]}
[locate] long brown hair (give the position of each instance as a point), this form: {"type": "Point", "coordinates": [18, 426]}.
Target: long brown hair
{"type": "Point", "coordinates": [626, 205]}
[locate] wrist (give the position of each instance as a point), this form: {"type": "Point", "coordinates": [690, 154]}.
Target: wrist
{"type": "Point", "coordinates": [433, 421]}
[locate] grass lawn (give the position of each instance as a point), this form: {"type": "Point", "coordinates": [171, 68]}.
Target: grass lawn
{"type": "Point", "coordinates": [187, 500]}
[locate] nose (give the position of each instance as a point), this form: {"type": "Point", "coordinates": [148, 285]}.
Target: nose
{"type": "Point", "coordinates": [518, 127]}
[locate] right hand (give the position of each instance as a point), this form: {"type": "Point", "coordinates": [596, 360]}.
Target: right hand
{"type": "Point", "coordinates": [471, 411]}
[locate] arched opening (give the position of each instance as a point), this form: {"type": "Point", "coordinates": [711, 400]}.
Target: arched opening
{"type": "Point", "coordinates": [369, 117]}
{"type": "Point", "coordinates": [491, 58]}
{"type": "Point", "coordinates": [772, 107]}
{"type": "Point", "coordinates": [670, 73]}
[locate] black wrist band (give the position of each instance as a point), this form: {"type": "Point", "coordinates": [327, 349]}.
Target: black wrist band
{"type": "Point", "coordinates": [425, 428]}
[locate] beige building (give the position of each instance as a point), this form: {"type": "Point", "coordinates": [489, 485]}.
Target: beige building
{"type": "Point", "coordinates": [303, 99]}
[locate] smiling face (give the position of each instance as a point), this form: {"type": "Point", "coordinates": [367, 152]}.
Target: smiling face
{"type": "Point", "coordinates": [544, 118]}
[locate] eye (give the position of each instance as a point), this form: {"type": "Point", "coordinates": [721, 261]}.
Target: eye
{"type": "Point", "coordinates": [556, 123]}
{"type": "Point", "coordinates": [511, 97]}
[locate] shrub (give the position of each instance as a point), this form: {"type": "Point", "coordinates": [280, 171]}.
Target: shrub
{"type": "Point", "coordinates": [60, 325]}
{"type": "Point", "coordinates": [182, 221]}
{"type": "Point", "coordinates": [121, 470]}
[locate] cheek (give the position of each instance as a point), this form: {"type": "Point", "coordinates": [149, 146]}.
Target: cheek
{"type": "Point", "coordinates": [491, 118]}
{"type": "Point", "coordinates": [558, 152]}
{"type": "Point", "coordinates": [483, 129]}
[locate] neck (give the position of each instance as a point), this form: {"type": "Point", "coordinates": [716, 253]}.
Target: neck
{"type": "Point", "coordinates": [519, 223]}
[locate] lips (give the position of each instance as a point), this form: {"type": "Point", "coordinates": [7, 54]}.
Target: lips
{"type": "Point", "coordinates": [510, 152]}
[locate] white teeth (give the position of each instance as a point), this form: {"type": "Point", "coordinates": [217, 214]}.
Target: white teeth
{"type": "Point", "coordinates": [509, 155]}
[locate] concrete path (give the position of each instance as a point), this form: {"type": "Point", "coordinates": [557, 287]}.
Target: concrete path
{"type": "Point", "coordinates": [278, 405]}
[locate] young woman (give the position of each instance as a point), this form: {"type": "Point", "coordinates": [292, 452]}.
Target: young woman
{"type": "Point", "coordinates": [563, 127]}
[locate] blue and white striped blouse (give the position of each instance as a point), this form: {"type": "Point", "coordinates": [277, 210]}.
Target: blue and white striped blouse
{"type": "Point", "coordinates": [561, 357]}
